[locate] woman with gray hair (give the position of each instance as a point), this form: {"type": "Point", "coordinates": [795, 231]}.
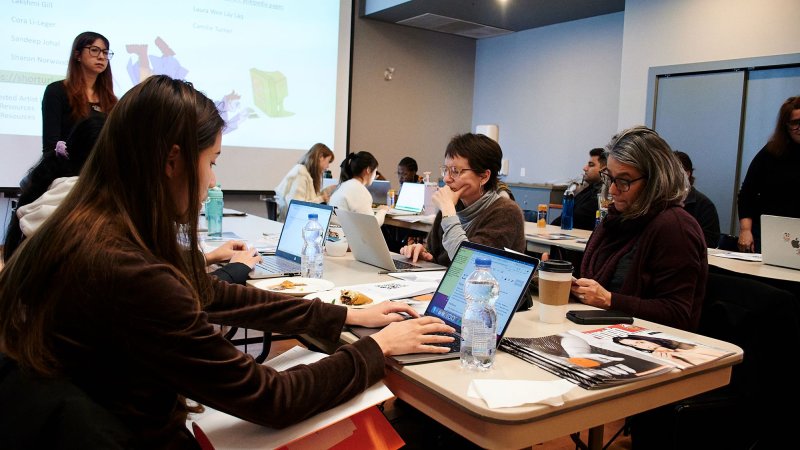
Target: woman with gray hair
{"type": "Point", "coordinates": [648, 256]}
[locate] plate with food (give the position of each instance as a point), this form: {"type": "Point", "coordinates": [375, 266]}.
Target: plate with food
{"type": "Point", "coordinates": [297, 286]}
{"type": "Point", "coordinates": [345, 296]}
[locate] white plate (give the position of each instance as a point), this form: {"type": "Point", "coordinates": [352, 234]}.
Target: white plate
{"type": "Point", "coordinates": [309, 285]}
{"type": "Point", "coordinates": [332, 296]}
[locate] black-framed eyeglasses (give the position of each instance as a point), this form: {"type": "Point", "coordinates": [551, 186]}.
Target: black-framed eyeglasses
{"type": "Point", "coordinates": [95, 51]}
{"type": "Point", "coordinates": [793, 124]}
{"type": "Point", "coordinates": [453, 171]}
{"type": "Point", "coordinates": [622, 184]}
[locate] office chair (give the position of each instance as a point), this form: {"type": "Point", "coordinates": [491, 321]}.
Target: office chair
{"type": "Point", "coordinates": [728, 242]}
{"type": "Point", "coordinates": [54, 414]}
{"type": "Point", "coordinates": [765, 322]}
{"type": "Point", "coordinates": [272, 208]}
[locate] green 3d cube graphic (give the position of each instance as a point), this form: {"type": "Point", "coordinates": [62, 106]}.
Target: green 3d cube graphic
{"type": "Point", "coordinates": [269, 91]}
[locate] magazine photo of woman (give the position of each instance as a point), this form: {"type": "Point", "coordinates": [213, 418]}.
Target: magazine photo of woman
{"type": "Point", "coordinates": [680, 353]}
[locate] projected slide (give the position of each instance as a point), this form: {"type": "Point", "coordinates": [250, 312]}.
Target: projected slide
{"type": "Point", "coordinates": [271, 65]}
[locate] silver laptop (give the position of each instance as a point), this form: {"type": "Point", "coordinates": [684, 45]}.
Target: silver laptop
{"type": "Point", "coordinates": [286, 260]}
{"type": "Point", "coordinates": [411, 200]}
{"type": "Point", "coordinates": [369, 246]}
{"type": "Point", "coordinates": [379, 189]}
{"type": "Point", "coordinates": [780, 241]}
{"type": "Point", "coordinates": [513, 271]}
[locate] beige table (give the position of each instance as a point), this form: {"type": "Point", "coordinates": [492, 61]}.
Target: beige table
{"type": "Point", "coordinates": [439, 389]}
{"type": "Point", "coordinates": [757, 269]}
{"type": "Point", "coordinates": [538, 241]}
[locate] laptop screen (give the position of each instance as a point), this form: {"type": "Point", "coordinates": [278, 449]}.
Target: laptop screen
{"type": "Point", "coordinates": [411, 198]}
{"type": "Point", "coordinates": [290, 244]}
{"type": "Point", "coordinates": [379, 189]}
{"type": "Point", "coordinates": [512, 271]}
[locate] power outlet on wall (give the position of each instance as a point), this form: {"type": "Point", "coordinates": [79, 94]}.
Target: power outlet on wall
{"type": "Point", "coordinates": [522, 171]}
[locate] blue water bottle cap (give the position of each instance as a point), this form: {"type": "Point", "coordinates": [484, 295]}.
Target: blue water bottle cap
{"type": "Point", "coordinates": [483, 262]}
{"type": "Point", "coordinates": [313, 216]}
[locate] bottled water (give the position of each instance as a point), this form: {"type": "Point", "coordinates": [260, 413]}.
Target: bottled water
{"type": "Point", "coordinates": [214, 206]}
{"type": "Point", "coordinates": [479, 326]}
{"type": "Point", "coordinates": [311, 259]}
{"type": "Point", "coordinates": [567, 209]}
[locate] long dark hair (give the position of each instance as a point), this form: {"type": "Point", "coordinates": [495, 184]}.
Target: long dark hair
{"type": "Point", "coordinates": [76, 85]}
{"type": "Point", "coordinates": [780, 141]}
{"type": "Point", "coordinates": [51, 166]}
{"type": "Point", "coordinates": [355, 163]}
{"type": "Point", "coordinates": [123, 195]}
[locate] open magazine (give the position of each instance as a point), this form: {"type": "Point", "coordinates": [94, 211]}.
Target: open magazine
{"type": "Point", "coordinates": [673, 350]}
{"type": "Point", "coordinates": [586, 361]}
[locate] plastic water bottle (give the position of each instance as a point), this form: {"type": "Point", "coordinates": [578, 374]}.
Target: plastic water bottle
{"type": "Point", "coordinates": [479, 326]}
{"type": "Point", "coordinates": [311, 260]}
{"type": "Point", "coordinates": [214, 212]}
{"type": "Point", "coordinates": [567, 209]}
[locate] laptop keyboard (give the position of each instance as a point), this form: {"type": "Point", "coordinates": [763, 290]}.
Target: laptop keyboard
{"type": "Point", "coordinates": [278, 265]}
{"type": "Point", "coordinates": [400, 265]}
{"type": "Point", "coordinates": [454, 346]}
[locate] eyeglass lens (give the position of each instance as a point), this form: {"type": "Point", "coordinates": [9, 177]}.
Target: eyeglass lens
{"type": "Point", "coordinates": [95, 51]}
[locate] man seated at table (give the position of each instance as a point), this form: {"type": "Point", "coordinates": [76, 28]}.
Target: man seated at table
{"type": "Point", "coordinates": [586, 199]}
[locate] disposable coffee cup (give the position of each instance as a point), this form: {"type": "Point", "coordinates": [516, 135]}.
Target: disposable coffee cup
{"type": "Point", "coordinates": [555, 280]}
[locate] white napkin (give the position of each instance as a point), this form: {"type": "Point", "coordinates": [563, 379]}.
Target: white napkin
{"type": "Point", "coordinates": [508, 393]}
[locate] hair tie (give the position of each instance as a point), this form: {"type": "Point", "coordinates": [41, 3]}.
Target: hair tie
{"type": "Point", "coordinates": [61, 149]}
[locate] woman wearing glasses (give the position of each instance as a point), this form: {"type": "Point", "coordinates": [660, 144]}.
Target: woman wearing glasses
{"type": "Point", "coordinates": [770, 179]}
{"type": "Point", "coordinates": [470, 207]}
{"type": "Point", "coordinates": [87, 89]}
{"type": "Point", "coordinates": [648, 256]}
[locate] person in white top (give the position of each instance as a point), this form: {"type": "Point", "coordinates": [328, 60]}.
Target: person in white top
{"type": "Point", "coordinates": [304, 180]}
{"type": "Point", "coordinates": [358, 171]}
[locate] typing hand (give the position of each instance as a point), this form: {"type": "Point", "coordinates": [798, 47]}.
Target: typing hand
{"type": "Point", "coordinates": [416, 252]}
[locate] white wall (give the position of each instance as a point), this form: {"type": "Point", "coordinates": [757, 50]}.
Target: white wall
{"type": "Point", "coordinates": [553, 91]}
{"type": "Point", "coordinates": [428, 100]}
{"type": "Point", "coordinates": [660, 33]}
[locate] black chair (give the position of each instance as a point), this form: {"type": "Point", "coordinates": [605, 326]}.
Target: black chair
{"type": "Point", "coordinates": [272, 207]}
{"type": "Point", "coordinates": [53, 414]}
{"type": "Point", "coordinates": [728, 242]}
{"type": "Point", "coordinates": [765, 322]}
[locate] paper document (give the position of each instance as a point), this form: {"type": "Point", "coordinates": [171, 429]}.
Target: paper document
{"type": "Point", "coordinates": [414, 218]}
{"type": "Point", "coordinates": [380, 292]}
{"type": "Point", "coordinates": [226, 431]}
{"type": "Point", "coordinates": [754, 257]}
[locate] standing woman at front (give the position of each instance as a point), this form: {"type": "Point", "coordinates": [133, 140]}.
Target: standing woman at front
{"type": "Point", "coordinates": [87, 89]}
{"type": "Point", "coordinates": [769, 185]}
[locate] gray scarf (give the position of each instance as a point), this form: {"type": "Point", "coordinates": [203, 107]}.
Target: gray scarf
{"type": "Point", "coordinates": [468, 215]}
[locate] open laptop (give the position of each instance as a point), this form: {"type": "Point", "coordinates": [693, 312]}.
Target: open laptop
{"type": "Point", "coordinates": [379, 189]}
{"type": "Point", "coordinates": [369, 246]}
{"type": "Point", "coordinates": [411, 200]}
{"type": "Point", "coordinates": [780, 241]}
{"type": "Point", "coordinates": [513, 271]}
{"type": "Point", "coordinates": [286, 260]}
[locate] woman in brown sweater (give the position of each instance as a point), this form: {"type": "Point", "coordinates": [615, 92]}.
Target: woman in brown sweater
{"type": "Point", "coordinates": [112, 295]}
{"type": "Point", "coordinates": [470, 207]}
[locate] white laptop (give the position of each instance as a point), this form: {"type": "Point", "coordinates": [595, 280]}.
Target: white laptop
{"type": "Point", "coordinates": [379, 189]}
{"type": "Point", "coordinates": [780, 241]}
{"type": "Point", "coordinates": [286, 260]}
{"type": "Point", "coordinates": [513, 271]}
{"type": "Point", "coordinates": [411, 200]}
{"type": "Point", "coordinates": [369, 246]}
